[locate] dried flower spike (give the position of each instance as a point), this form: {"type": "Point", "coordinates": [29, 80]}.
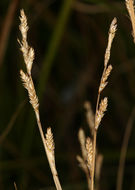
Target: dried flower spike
{"type": "Point", "coordinates": [82, 139]}
{"type": "Point", "coordinates": [89, 149]}
{"type": "Point", "coordinates": [23, 26]}
{"type": "Point", "coordinates": [104, 78]}
{"type": "Point", "coordinates": [112, 31]}
{"type": "Point", "coordinates": [100, 112]}
{"type": "Point", "coordinates": [28, 84]}
{"type": "Point", "coordinates": [28, 52]}
{"type": "Point", "coordinates": [49, 140]}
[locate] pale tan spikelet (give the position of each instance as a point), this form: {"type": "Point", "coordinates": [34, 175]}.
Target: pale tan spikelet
{"type": "Point", "coordinates": [23, 26]}
{"type": "Point", "coordinates": [89, 115]}
{"type": "Point", "coordinates": [25, 78]}
{"type": "Point", "coordinates": [105, 76]}
{"type": "Point", "coordinates": [82, 139]}
{"type": "Point", "coordinates": [30, 59]}
{"type": "Point", "coordinates": [131, 11]}
{"type": "Point", "coordinates": [28, 52]}
{"type": "Point", "coordinates": [49, 140]}
{"type": "Point", "coordinates": [28, 84]}
{"type": "Point", "coordinates": [100, 112]}
{"type": "Point", "coordinates": [112, 31]}
{"type": "Point", "coordinates": [24, 29]}
{"type": "Point", "coordinates": [113, 27]}
{"type": "Point", "coordinates": [89, 149]}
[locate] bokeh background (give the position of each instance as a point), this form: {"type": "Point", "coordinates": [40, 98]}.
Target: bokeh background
{"type": "Point", "coordinates": [69, 38]}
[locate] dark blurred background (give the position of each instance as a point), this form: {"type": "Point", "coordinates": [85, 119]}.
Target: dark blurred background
{"type": "Point", "coordinates": [69, 38]}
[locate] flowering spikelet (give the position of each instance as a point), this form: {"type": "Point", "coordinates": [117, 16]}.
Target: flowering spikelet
{"type": "Point", "coordinates": [23, 26]}
{"type": "Point", "coordinates": [28, 52]}
{"type": "Point", "coordinates": [105, 76]}
{"type": "Point", "coordinates": [100, 112]}
{"type": "Point", "coordinates": [113, 28]}
{"type": "Point", "coordinates": [89, 149]}
{"type": "Point", "coordinates": [28, 84]}
{"type": "Point", "coordinates": [82, 138]}
{"type": "Point", "coordinates": [112, 31]}
{"type": "Point", "coordinates": [49, 140]}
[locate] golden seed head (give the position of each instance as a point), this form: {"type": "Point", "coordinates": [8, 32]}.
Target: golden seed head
{"type": "Point", "coordinates": [23, 26]}
{"type": "Point", "coordinates": [113, 26]}
{"type": "Point", "coordinates": [25, 78]}
{"type": "Point", "coordinates": [112, 31]}
{"type": "Point", "coordinates": [89, 149]}
{"type": "Point", "coordinates": [81, 136]}
{"type": "Point", "coordinates": [28, 52]}
{"type": "Point", "coordinates": [105, 76]}
{"type": "Point", "coordinates": [100, 112]}
{"type": "Point", "coordinates": [28, 84]}
{"type": "Point", "coordinates": [49, 140]}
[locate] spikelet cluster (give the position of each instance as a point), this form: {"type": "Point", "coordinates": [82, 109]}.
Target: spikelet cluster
{"type": "Point", "coordinates": [105, 75]}
{"type": "Point", "coordinates": [94, 121]}
{"type": "Point", "coordinates": [82, 160]}
{"type": "Point", "coordinates": [28, 54]}
{"type": "Point", "coordinates": [85, 162]}
{"type": "Point", "coordinates": [89, 149]}
{"type": "Point", "coordinates": [82, 139]}
{"type": "Point", "coordinates": [49, 140]}
{"type": "Point", "coordinates": [112, 31]}
{"type": "Point", "coordinates": [104, 78]}
{"type": "Point", "coordinates": [100, 112]}
{"type": "Point", "coordinates": [28, 84]}
{"type": "Point", "coordinates": [107, 70]}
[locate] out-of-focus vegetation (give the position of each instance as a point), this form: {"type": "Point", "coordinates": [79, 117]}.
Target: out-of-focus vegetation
{"type": "Point", "coordinates": [69, 38]}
